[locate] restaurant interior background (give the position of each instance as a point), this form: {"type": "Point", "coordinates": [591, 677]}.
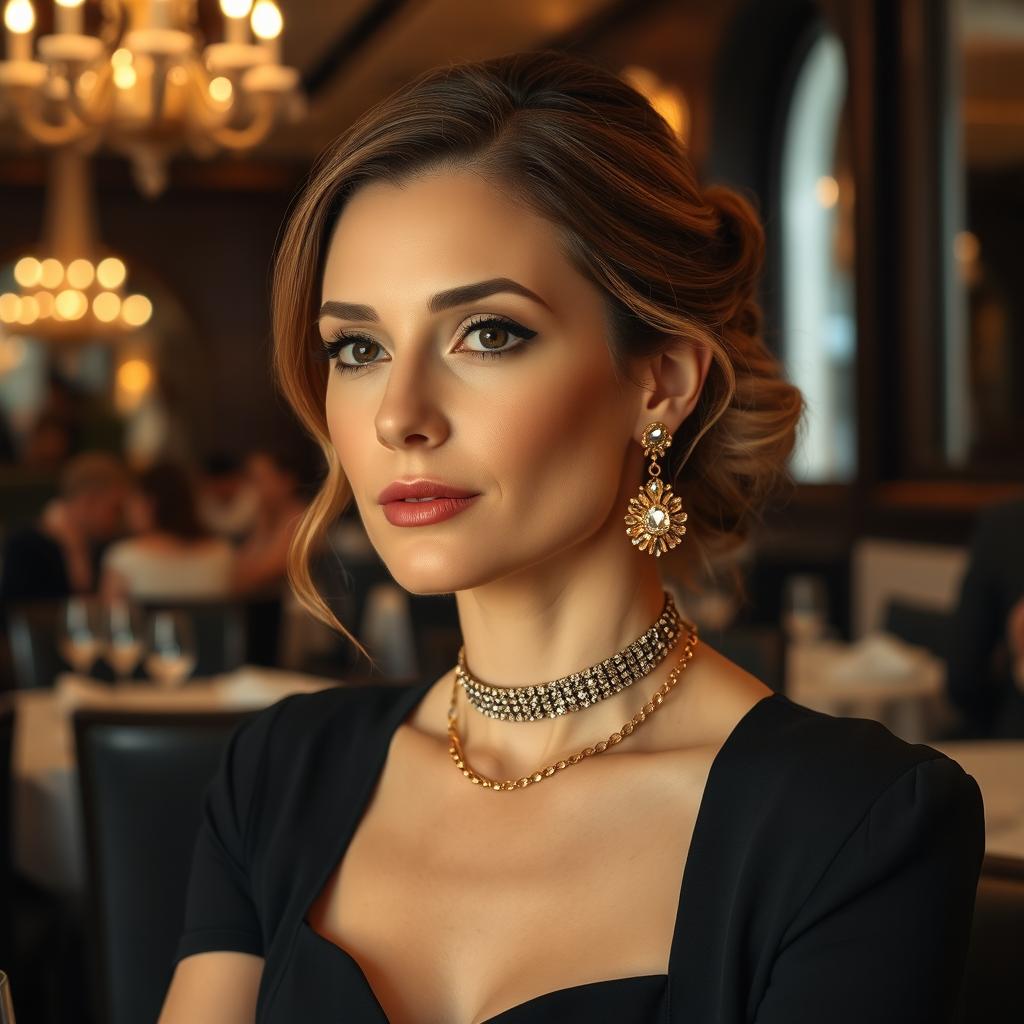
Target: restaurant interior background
{"type": "Point", "coordinates": [882, 142]}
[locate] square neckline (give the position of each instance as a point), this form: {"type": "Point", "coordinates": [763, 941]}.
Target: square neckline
{"type": "Point", "coordinates": [382, 741]}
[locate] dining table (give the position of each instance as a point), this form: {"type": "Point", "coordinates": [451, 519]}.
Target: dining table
{"type": "Point", "coordinates": [48, 846]}
{"type": "Point", "coordinates": [879, 677]}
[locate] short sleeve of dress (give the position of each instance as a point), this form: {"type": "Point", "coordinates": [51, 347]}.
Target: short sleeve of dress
{"type": "Point", "coordinates": [220, 913]}
{"type": "Point", "coordinates": [883, 934]}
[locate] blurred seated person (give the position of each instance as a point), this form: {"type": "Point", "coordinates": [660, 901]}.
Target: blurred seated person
{"type": "Point", "coordinates": [170, 555]}
{"type": "Point", "coordinates": [985, 672]}
{"type": "Point", "coordinates": [59, 554]}
{"type": "Point", "coordinates": [263, 554]}
{"type": "Point", "coordinates": [227, 501]}
{"type": "Point", "coordinates": [261, 560]}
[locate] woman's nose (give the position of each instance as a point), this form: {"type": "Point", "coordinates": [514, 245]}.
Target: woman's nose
{"type": "Point", "coordinates": [410, 411]}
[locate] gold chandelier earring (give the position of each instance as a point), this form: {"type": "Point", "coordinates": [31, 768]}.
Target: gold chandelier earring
{"type": "Point", "coordinates": [655, 518]}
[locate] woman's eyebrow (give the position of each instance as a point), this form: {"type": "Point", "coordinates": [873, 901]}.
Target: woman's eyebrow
{"type": "Point", "coordinates": [441, 301]}
{"type": "Point", "coordinates": [481, 289]}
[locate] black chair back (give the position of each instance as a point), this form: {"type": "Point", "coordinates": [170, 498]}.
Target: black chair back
{"type": "Point", "coordinates": [142, 779]}
{"type": "Point", "coordinates": [916, 624]}
{"type": "Point", "coordinates": [991, 991]}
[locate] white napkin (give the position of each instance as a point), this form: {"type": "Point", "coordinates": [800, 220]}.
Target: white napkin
{"type": "Point", "coordinates": [255, 686]}
{"type": "Point", "coordinates": [877, 655]}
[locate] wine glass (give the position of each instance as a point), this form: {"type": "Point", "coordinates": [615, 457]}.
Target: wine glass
{"type": "Point", "coordinates": [124, 638]}
{"type": "Point", "coordinates": [80, 639]}
{"type": "Point", "coordinates": [6, 1002]}
{"type": "Point", "coordinates": [172, 651]}
{"type": "Point", "coordinates": [805, 608]}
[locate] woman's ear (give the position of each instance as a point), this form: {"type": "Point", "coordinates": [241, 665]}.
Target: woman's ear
{"type": "Point", "coordinates": [674, 378]}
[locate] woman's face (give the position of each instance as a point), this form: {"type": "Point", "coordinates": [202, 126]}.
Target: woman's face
{"type": "Point", "coordinates": [540, 433]}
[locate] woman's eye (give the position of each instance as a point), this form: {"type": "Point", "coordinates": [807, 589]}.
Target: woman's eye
{"type": "Point", "coordinates": [494, 335]}
{"type": "Point", "coordinates": [361, 352]}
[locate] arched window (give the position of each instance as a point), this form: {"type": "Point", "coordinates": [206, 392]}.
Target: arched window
{"type": "Point", "coordinates": [818, 322]}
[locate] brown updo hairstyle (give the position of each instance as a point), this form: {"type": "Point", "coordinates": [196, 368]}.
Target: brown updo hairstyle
{"type": "Point", "coordinates": [586, 151]}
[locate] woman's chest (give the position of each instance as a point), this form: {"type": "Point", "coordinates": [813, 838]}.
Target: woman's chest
{"type": "Point", "coordinates": [458, 905]}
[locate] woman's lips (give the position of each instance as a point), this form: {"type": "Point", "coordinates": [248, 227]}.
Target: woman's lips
{"type": "Point", "coordinates": [425, 513]}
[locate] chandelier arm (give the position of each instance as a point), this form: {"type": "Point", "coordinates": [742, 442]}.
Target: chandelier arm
{"type": "Point", "coordinates": [114, 23]}
{"type": "Point", "coordinates": [254, 132]}
{"type": "Point", "coordinates": [97, 112]}
{"type": "Point", "coordinates": [72, 129]}
{"type": "Point", "coordinates": [211, 115]}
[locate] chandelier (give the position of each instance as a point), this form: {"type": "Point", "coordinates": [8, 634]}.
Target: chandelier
{"type": "Point", "coordinates": [143, 81]}
{"type": "Point", "coordinates": [70, 288]}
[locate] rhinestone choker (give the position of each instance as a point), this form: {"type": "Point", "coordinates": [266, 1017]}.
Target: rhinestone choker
{"type": "Point", "coordinates": [578, 689]}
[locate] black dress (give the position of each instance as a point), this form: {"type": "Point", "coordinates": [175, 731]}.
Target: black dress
{"type": "Point", "coordinates": [831, 872]}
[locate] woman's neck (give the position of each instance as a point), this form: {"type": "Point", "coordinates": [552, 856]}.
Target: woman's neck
{"type": "Point", "coordinates": [524, 631]}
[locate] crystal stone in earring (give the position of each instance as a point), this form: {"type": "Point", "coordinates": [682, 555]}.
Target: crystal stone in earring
{"type": "Point", "coordinates": [655, 519]}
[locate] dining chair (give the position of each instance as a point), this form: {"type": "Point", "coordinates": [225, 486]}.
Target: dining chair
{"type": "Point", "coordinates": [919, 625]}
{"type": "Point", "coordinates": [991, 992]}
{"type": "Point", "coordinates": [142, 778]}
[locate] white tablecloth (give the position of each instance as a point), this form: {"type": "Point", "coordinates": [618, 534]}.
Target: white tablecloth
{"type": "Point", "coordinates": [48, 845]}
{"type": "Point", "coordinates": [900, 686]}
{"type": "Point", "coordinates": [998, 767]}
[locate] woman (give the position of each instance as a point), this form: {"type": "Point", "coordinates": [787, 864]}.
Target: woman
{"type": "Point", "coordinates": [365, 858]}
{"type": "Point", "coordinates": [170, 555]}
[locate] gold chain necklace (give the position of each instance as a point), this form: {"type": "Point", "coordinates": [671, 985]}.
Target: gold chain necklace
{"type": "Point", "coordinates": [459, 757]}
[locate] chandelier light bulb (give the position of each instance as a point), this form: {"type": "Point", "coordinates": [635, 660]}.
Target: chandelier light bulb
{"type": "Point", "coordinates": [110, 272]}
{"type": "Point", "coordinates": [106, 307]}
{"type": "Point", "coordinates": [45, 300]}
{"type": "Point", "coordinates": [29, 312]}
{"type": "Point", "coordinates": [70, 304]}
{"type": "Point", "coordinates": [136, 310]}
{"type": "Point", "coordinates": [51, 273]}
{"type": "Point", "coordinates": [27, 271]}
{"type": "Point", "coordinates": [80, 273]}
{"type": "Point", "coordinates": [124, 76]}
{"type": "Point", "coordinates": [267, 22]}
{"type": "Point", "coordinates": [221, 89]}
{"type": "Point", "coordinates": [236, 8]}
{"type": "Point", "coordinates": [19, 16]}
